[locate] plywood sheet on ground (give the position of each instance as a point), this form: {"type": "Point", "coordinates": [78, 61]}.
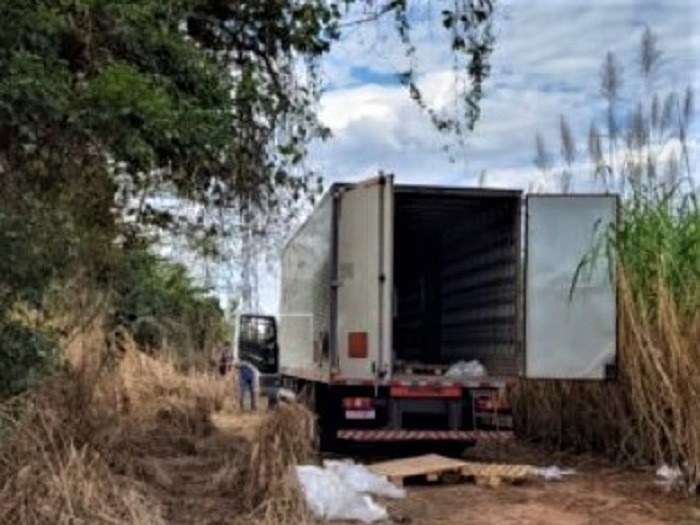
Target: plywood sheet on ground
{"type": "Point", "coordinates": [433, 467]}
{"type": "Point", "coordinates": [430, 464]}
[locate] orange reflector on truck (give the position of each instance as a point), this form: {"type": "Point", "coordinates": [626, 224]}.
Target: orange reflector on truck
{"type": "Point", "coordinates": [426, 391]}
{"type": "Point", "coordinates": [357, 345]}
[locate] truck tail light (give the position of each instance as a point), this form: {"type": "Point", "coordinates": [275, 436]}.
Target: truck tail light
{"type": "Point", "coordinates": [357, 403]}
{"type": "Point", "coordinates": [497, 401]}
{"type": "Point", "coordinates": [485, 403]}
{"type": "Point", "coordinates": [357, 345]}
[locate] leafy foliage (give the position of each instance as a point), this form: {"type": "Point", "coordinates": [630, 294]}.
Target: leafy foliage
{"type": "Point", "coordinates": [107, 107]}
{"type": "Point", "coordinates": [206, 93]}
{"type": "Point", "coordinates": [159, 303]}
{"type": "Point", "coordinates": [26, 355]}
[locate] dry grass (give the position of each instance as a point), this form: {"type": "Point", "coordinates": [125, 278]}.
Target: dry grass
{"type": "Point", "coordinates": [662, 374]}
{"type": "Point", "coordinates": [261, 478]}
{"type": "Point", "coordinates": [282, 441]}
{"type": "Point", "coordinates": [111, 439]}
{"type": "Point", "coordinates": [73, 487]}
{"type": "Point", "coordinates": [652, 414]}
{"type": "Point", "coordinates": [53, 464]}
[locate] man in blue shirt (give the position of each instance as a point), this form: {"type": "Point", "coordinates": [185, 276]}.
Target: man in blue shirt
{"type": "Point", "coordinates": [246, 383]}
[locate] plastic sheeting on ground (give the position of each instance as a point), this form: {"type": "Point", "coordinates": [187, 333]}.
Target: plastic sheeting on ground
{"type": "Point", "coordinates": [342, 490]}
{"type": "Point", "coordinates": [670, 476]}
{"type": "Point", "coordinates": [360, 479]}
{"type": "Point", "coordinates": [554, 473]}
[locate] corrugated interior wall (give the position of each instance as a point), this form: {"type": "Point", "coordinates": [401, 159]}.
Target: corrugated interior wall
{"type": "Point", "coordinates": [455, 277]}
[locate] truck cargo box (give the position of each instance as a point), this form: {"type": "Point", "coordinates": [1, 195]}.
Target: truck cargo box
{"type": "Point", "coordinates": [456, 262]}
{"type": "Point", "coordinates": [386, 281]}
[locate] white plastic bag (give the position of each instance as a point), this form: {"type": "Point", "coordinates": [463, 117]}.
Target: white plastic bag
{"type": "Point", "coordinates": [669, 475]}
{"type": "Point", "coordinates": [554, 473]}
{"type": "Point", "coordinates": [464, 369]}
{"type": "Point", "coordinates": [360, 479]}
{"type": "Point", "coordinates": [330, 498]}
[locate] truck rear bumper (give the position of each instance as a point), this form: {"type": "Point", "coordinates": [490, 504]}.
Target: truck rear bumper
{"type": "Point", "coordinates": [423, 435]}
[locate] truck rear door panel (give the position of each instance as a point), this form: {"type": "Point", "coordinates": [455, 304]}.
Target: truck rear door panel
{"type": "Point", "coordinates": [570, 292]}
{"type": "Point", "coordinates": [364, 281]}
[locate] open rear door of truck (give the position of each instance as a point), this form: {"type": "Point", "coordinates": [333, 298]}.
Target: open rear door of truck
{"type": "Point", "coordinates": [364, 278]}
{"type": "Point", "coordinates": [570, 291]}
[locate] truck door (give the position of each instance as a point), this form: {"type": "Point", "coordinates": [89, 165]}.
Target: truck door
{"type": "Point", "coordinates": [364, 279]}
{"type": "Point", "coordinates": [570, 333]}
{"type": "Point", "coordinates": [256, 344]}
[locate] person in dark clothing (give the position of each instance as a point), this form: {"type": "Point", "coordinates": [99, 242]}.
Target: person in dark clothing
{"type": "Point", "coordinates": [246, 380]}
{"type": "Point", "coordinates": [225, 360]}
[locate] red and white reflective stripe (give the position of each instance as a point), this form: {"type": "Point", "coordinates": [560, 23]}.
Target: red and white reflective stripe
{"type": "Point", "coordinates": [424, 435]}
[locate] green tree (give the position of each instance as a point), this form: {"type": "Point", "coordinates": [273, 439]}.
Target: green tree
{"type": "Point", "coordinates": [108, 106]}
{"type": "Point", "coordinates": [197, 96]}
{"type": "Point", "coordinates": [161, 305]}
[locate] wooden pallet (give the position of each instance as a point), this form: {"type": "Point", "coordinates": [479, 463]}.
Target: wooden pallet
{"type": "Point", "coordinates": [433, 467]}
{"type": "Point", "coordinates": [494, 474]}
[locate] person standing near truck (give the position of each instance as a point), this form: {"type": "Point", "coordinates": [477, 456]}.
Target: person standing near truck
{"type": "Point", "coordinates": [246, 384]}
{"type": "Point", "coordinates": [225, 359]}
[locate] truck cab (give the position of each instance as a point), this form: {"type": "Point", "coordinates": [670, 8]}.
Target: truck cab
{"type": "Point", "coordinates": [256, 344]}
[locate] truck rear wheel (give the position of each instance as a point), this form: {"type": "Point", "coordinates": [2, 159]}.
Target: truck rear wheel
{"type": "Point", "coordinates": [316, 398]}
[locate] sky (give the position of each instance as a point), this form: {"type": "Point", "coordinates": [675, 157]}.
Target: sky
{"type": "Point", "coordinates": [546, 63]}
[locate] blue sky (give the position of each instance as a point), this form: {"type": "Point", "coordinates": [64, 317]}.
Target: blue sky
{"type": "Point", "coordinates": [546, 63]}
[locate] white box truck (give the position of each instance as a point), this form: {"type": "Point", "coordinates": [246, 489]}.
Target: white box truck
{"type": "Point", "coordinates": [406, 310]}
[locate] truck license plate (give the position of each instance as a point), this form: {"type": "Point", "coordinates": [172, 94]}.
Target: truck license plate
{"type": "Point", "coordinates": [359, 414]}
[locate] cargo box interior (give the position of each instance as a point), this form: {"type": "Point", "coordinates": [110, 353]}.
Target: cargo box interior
{"type": "Point", "coordinates": [456, 278]}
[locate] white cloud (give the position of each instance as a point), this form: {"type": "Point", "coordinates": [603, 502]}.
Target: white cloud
{"type": "Point", "coordinates": [546, 63]}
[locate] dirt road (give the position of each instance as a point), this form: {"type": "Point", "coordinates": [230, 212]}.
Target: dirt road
{"type": "Point", "coordinates": [598, 494]}
{"type": "Point", "coordinates": [595, 497]}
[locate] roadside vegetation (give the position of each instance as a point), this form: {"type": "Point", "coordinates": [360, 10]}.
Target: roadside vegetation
{"type": "Point", "coordinates": [124, 125]}
{"type": "Point", "coordinates": [116, 436]}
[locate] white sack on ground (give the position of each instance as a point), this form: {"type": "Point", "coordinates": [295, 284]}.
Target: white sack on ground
{"type": "Point", "coordinates": [360, 479]}
{"type": "Point", "coordinates": [331, 498]}
{"type": "Point", "coordinates": [554, 473]}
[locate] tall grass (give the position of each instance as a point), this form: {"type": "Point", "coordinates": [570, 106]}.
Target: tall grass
{"type": "Point", "coordinates": [658, 245]}
{"type": "Point", "coordinates": [119, 437]}
{"type": "Point", "coordinates": [651, 414]}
